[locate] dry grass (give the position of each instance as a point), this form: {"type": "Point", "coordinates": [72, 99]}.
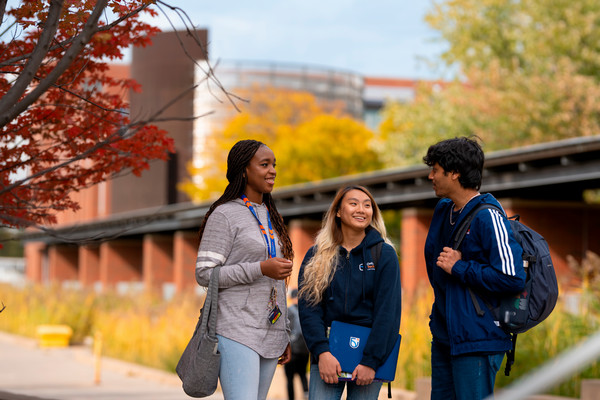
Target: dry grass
{"type": "Point", "coordinates": [145, 329]}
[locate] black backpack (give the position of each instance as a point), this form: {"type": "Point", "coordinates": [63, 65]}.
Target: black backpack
{"type": "Point", "coordinates": [517, 313]}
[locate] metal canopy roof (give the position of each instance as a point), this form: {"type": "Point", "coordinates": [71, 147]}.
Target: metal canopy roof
{"type": "Point", "coordinates": [550, 171]}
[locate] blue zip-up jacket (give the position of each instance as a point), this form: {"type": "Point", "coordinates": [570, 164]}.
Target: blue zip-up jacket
{"type": "Point", "coordinates": [491, 264]}
{"type": "Point", "coordinates": [369, 296]}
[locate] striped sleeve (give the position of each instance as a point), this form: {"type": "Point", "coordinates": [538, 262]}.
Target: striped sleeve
{"type": "Point", "coordinates": [224, 244]}
{"type": "Point", "coordinates": [215, 245]}
{"type": "Point", "coordinates": [502, 240]}
{"type": "Point", "coordinates": [209, 259]}
{"type": "Point", "coordinates": [491, 256]}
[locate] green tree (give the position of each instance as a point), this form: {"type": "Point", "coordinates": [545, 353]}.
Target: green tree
{"type": "Point", "coordinates": [528, 72]}
{"type": "Point", "coordinates": [311, 140]}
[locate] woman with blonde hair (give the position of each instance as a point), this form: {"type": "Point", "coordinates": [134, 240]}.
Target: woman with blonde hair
{"type": "Point", "coordinates": [338, 281]}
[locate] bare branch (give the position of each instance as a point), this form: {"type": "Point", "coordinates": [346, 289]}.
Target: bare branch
{"type": "Point", "coordinates": [87, 100]}
{"type": "Point", "coordinates": [37, 57]}
{"type": "Point", "coordinates": [184, 17]}
{"type": "Point", "coordinates": [70, 235]}
{"type": "Point", "coordinates": [2, 10]}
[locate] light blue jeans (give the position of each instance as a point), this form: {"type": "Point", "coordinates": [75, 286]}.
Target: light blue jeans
{"type": "Point", "coordinates": [244, 375]}
{"type": "Point", "coordinates": [466, 377]}
{"type": "Point", "coordinates": [319, 390]}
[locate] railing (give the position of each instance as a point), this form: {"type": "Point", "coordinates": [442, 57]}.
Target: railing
{"type": "Point", "coordinates": [554, 371]}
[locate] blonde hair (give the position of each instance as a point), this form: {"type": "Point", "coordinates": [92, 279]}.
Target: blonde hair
{"type": "Point", "coordinates": [319, 271]}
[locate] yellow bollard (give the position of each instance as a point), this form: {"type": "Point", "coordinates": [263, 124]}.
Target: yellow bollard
{"type": "Point", "coordinates": [97, 357]}
{"type": "Point", "coordinates": [54, 335]}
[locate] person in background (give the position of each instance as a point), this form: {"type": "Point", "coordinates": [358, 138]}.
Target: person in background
{"type": "Point", "coordinates": [467, 348]}
{"type": "Point", "coordinates": [299, 361]}
{"type": "Point", "coordinates": [244, 234]}
{"type": "Point", "coordinates": [339, 281]}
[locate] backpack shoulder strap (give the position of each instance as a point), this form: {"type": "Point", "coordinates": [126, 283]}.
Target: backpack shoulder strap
{"type": "Point", "coordinates": [462, 229]}
{"type": "Point", "coordinates": [376, 253]}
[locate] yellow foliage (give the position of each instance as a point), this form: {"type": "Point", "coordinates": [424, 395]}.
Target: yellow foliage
{"type": "Point", "coordinates": [311, 140]}
{"type": "Point", "coordinates": [324, 147]}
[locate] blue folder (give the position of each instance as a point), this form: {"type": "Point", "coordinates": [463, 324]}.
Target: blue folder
{"type": "Point", "coordinates": [346, 344]}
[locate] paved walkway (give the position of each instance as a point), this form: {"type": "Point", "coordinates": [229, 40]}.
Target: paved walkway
{"type": "Point", "coordinates": [28, 372]}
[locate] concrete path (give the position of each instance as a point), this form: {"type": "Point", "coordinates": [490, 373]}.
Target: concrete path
{"type": "Point", "coordinates": [28, 372]}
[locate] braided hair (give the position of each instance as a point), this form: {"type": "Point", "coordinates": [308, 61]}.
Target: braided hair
{"type": "Point", "coordinates": [238, 159]}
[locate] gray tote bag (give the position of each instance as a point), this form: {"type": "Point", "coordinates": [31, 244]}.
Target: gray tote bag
{"type": "Point", "coordinates": [199, 364]}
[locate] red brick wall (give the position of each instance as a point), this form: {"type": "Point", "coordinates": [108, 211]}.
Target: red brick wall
{"type": "Point", "coordinates": [120, 260]}
{"type": "Point", "coordinates": [415, 224]}
{"type": "Point", "coordinates": [89, 265]}
{"type": "Point", "coordinates": [569, 228]}
{"type": "Point", "coordinates": [157, 260]}
{"type": "Point", "coordinates": [63, 263]}
{"type": "Point", "coordinates": [302, 233]}
{"type": "Point", "coordinates": [34, 255]}
{"type": "Point", "coordinates": [185, 252]}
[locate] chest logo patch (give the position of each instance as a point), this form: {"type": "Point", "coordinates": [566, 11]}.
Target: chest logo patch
{"type": "Point", "coordinates": [370, 266]}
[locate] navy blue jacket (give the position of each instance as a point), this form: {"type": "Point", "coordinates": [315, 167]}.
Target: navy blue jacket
{"type": "Point", "coordinates": [369, 296]}
{"type": "Point", "coordinates": [491, 264]}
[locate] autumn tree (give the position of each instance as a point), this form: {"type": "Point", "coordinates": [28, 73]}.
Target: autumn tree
{"type": "Point", "coordinates": [65, 122]}
{"type": "Point", "coordinates": [311, 140]}
{"type": "Point", "coordinates": [528, 72]}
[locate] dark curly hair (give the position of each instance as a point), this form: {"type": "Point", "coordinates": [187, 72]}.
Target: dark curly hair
{"type": "Point", "coordinates": [462, 155]}
{"type": "Point", "coordinates": [239, 156]}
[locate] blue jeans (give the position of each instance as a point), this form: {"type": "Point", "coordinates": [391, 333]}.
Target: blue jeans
{"type": "Point", "coordinates": [319, 390]}
{"type": "Point", "coordinates": [244, 375]}
{"type": "Point", "coordinates": [464, 377]}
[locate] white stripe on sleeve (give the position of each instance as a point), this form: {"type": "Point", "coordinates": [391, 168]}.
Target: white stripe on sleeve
{"type": "Point", "coordinates": [205, 264]}
{"type": "Point", "coordinates": [211, 254]}
{"type": "Point", "coordinates": [506, 256]}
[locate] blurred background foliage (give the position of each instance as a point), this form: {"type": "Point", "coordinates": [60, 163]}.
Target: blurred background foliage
{"type": "Point", "coordinates": [145, 329]}
{"type": "Point", "coordinates": [310, 140]}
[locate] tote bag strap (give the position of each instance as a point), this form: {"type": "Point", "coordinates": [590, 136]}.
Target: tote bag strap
{"type": "Point", "coordinates": [209, 311]}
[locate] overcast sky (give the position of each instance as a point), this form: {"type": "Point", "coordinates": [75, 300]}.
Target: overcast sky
{"type": "Point", "coordinates": [373, 38]}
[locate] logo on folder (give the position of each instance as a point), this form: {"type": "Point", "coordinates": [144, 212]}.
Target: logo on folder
{"type": "Point", "coordinates": [354, 342]}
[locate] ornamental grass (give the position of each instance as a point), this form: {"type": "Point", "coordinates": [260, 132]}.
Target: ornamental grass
{"type": "Point", "coordinates": [143, 328]}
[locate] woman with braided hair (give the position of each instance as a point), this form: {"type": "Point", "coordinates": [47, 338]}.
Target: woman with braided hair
{"type": "Point", "coordinates": [244, 234]}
